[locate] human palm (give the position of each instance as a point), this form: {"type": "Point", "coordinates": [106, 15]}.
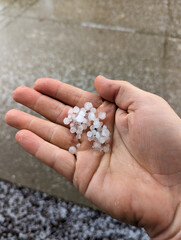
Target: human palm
{"type": "Point", "coordinates": [137, 177]}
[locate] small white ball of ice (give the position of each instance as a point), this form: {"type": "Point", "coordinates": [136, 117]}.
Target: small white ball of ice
{"type": "Point", "coordinates": [79, 118]}
{"type": "Point", "coordinates": [88, 105]}
{"type": "Point", "coordinates": [70, 111]}
{"type": "Point", "coordinates": [105, 132]}
{"type": "Point", "coordinates": [76, 109]}
{"type": "Point", "coordinates": [98, 135]}
{"type": "Point", "coordinates": [89, 134]}
{"type": "Point", "coordinates": [72, 129]}
{"type": "Point", "coordinates": [91, 116]}
{"type": "Point", "coordinates": [96, 145]}
{"type": "Point", "coordinates": [80, 128]}
{"type": "Point", "coordinates": [96, 123]}
{"type": "Point", "coordinates": [94, 132]}
{"type": "Point", "coordinates": [84, 120]}
{"type": "Point", "coordinates": [102, 115]}
{"type": "Point", "coordinates": [92, 127]}
{"type": "Point", "coordinates": [66, 121]}
{"type": "Point", "coordinates": [84, 126]}
{"type": "Point", "coordinates": [78, 145]}
{"type": "Point", "coordinates": [72, 150]}
{"type": "Point", "coordinates": [82, 113]}
{"type": "Point", "coordinates": [83, 109]}
{"type": "Point", "coordinates": [70, 116]}
{"type": "Point", "coordinates": [106, 148]}
{"type": "Point", "coordinates": [93, 110]}
{"type": "Point", "coordinates": [102, 140]}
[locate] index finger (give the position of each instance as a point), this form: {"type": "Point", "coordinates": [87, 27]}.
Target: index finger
{"type": "Point", "coordinates": [66, 93]}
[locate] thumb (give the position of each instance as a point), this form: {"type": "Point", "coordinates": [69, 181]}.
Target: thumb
{"type": "Point", "coordinates": [122, 93]}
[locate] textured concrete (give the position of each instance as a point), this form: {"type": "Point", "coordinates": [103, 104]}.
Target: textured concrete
{"type": "Point", "coordinates": [74, 41]}
{"type": "Point", "coordinates": [133, 15]}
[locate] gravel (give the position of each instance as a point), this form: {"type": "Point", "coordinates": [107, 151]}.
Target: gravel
{"type": "Point", "coordinates": [32, 215]}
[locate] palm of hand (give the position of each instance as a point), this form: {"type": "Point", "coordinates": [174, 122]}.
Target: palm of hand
{"type": "Point", "coordinates": [120, 182]}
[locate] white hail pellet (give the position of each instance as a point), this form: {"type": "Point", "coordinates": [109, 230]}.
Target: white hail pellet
{"type": "Point", "coordinates": [102, 115]}
{"type": "Point", "coordinates": [98, 135]}
{"type": "Point", "coordinates": [72, 129]}
{"type": "Point", "coordinates": [84, 118]}
{"type": "Point", "coordinates": [83, 109]}
{"type": "Point", "coordinates": [88, 105]}
{"type": "Point", "coordinates": [105, 132]}
{"type": "Point", "coordinates": [106, 148]}
{"type": "Point", "coordinates": [82, 113]}
{"type": "Point", "coordinates": [96, 123]}
{"type": "Point", "coordinates": [80, 118]}
{"type": "Point", "coordinates": [89, 134]}
{"type": "Point", "coordinates": [76, 109]}
{"type": "Point", "coordinates": [102, 140]}
{"type": "Point", "coordinates": [91, 116]}
{"type": "Point", "coordinates": [66, 121]}
{"type": "Point", "coordinates": [70, 111]}
{"type": "Point", "coordinates": [96, 145]}
{"type": "Point", "coordinates": [78, 145]}
{"type": "Point", "coordinates": [93, 110]}
{"type": "Point", "coordinates": [72, 150]}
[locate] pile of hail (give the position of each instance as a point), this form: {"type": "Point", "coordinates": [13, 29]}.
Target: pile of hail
{"type": "Point", "coordinates": [87, 120]}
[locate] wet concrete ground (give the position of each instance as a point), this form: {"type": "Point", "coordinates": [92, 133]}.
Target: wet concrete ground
{"type": "Point", "coordinates": [74, 41]}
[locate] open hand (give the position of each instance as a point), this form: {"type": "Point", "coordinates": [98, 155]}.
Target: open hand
{"type": "Point", "coordinates": [139, 180]}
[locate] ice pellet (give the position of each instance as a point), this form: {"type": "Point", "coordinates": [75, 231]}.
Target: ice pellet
{"type": "Point", "coordinates": [70, 111]}
{"type": "Point", "coordinates": [102, 115]}
{"type": "Point", "coordinates": [91, 116]}
{"type": "Point", "coordinates": [102, 140]}
{"type": "Point", "coordinates": [72, 150]}
{"type": "Point", "coordinates": [106, 148]}
{"type": "Point", "coordinates": [80, 118]}
{"type": "Point", "coordinates": [88, 105]}
{"type": "Point", "coordinates": [83, 109]}
{"type": "Point", "coordinates": [96, 145]}
{"type": "Point", "coordinates": [66, 121]}
{"type": "Point", "coordinates": [89, 134]}
{"type": "Point", "coordinates": [84, 118]}
{"type": "Point", "coordinates": [82, 113]}
{"type": "Point", "coordinates": [96, 123]}
{"type": "Point", "coordinates": [98, 135]}
{"type": "Point", "coordinates": [72, 129]}
{"type": "Point", "coordinates": [93, 110]}
{"type": "Point", "coordinates": [76, 109]}
{"type": "Point", "coordinates": [78, 145]}
{"type": "Point", "coordinates": [105, 132]}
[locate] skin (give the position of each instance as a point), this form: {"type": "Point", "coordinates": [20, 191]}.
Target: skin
{"type": "Point", "coordinates": [139, 180]}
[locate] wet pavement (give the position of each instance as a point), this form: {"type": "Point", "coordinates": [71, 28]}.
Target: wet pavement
{"type": "Point", "coordinates": [74, 41]}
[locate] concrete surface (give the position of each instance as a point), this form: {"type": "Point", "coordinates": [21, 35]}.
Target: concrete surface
{"type": "Point", "coordinates": [74, 41]}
